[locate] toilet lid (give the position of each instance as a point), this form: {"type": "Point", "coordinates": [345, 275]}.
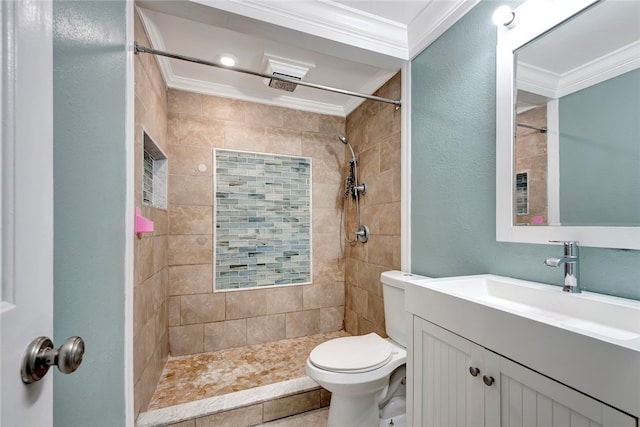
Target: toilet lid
{"type": "Point", "coordinates": [352, 354]}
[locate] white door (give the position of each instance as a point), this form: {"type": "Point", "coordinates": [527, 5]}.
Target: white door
{"type": "Point", "coordinates": [27, 205]}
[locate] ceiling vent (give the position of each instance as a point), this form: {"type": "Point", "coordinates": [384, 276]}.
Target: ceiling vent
{"type": "Point", "coordinates": [284, 67]}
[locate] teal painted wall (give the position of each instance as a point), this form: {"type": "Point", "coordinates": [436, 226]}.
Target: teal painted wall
{"type": "Point", "coordinates": [89, 81]}
{"type": "Point", "coordinates": [600, 153]}
{"type": "Point", "coordinates": [453, 172]}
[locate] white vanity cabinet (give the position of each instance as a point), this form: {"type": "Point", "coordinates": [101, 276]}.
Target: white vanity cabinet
{"type": "Point", "coordinates": [455, 382]}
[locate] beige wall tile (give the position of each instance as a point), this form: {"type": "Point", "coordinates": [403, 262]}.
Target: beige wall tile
{"type": "Point", "coordinates": [326, 171]}
{"type": "Point", "coordinates": [150, 342]}
{"type": "Point", "coordinates": [283, 141]}
{"type": "Point", "coordinates": [185, 219]}
{"type": "Point", "coordinates": [301, 120]}
{"type": "Point", "coordinates": [327, 147]}
{"type": "Point", "coordinates": [243, 304]}
{"type": "Point", "coordinates": [265, 329]}
{"type": "Point", "coordinates": [159, 218]}
{"type": "Point", "coordinates": [223, 335]}
{"type": "Point", "coordinates": [324, 220]}
{"type": "Point", "coordinates": [160, 253]}
{"type": "Point", "coordinates": [291, 405]}
{"type": "Point", "coordinates": [359, 301]}
{"type": "Point", "coordinates": [264, 115]}
{"type": "Point", "coordinates": [190, 279]}
{"type": "Point", "coordinates": [183, 102]}
{"type": "Point", "coordinates": [193, 249]}
{"type": "Point", "coordinates": [185, 340]}
{"type": "Point", "coordinates": [198, 131]}
{"type": "Point", "coordinates": [381, 250]}
{"type": "Point", "coordinates": [319, 295]}
{"type": "Point", "coordinates": [174, 311]}
{"type": "Point", "coordinates": [331, 319]}
{"type": "Point", "coordinates": [368, 277]}
{"type": "Point", "coordinates": [389, 218]}
{"type": "Point", "coordinates": [332, 125]}
{"type": "Point", "coordinates": [202, 308]}
{"type": "Point", "coordinates": [384, 191]}
{"type": "Point", "coordinates": [326, 247]}
{"type": "Point", "coordinates": [239, 136]}
{"type": "Point", "coordinates": [350, 321]}
{"type": "Point", "coordinates": [241, 417]}
{"type": "Point", "coordinates": [325, 270]}
{"type": "Point", "coordinates": [327, 196]}
{"type": "Point", "coordinates": [187, 160]}
{"type": "Point", "coordinates": [375, 310]}
{"type": "Point", "coordinates": [390, 150]}
{"type": "Point", "coordinates": [223, 108]}
{"type": "Point", "coordinates": [285, 299]}
{"type": "Point", "coordinates": [190, 190]}
{"type": "Point", "coordinates": [143, 254]}
{"type": "Point", "coordinates": [302, 323]}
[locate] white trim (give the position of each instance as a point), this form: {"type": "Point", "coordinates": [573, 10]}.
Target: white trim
{"type": "Point", "coordinates": [535, 18]}
{"type": "Point", "coordinates": [433, 21]}
{"type": "Point", "coordinates": [329, 20]}
{"type": "Point", "coordinates": [405, 170]}
{"type": "Point", "coordinates": [553, 162]}
{"type": "Point", "coordinates": [129, 391]}
{"type": "Point", "coordinates": [553, 85]}
{"type": "Point", "coordinates": [215, 89]}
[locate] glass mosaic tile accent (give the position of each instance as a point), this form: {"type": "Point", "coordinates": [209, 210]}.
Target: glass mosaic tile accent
{"type": "Point", "coordinates": [262, 219]}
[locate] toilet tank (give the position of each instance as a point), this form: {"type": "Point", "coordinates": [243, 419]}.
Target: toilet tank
{"type": "Point", "coordinates": [397, 319]}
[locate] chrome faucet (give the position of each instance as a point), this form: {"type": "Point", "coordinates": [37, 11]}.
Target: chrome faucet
{"type": "Point", "coordinates": [571, 263]}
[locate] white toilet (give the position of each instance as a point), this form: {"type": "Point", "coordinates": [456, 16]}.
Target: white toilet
{"type": "Point", "coordinates": [358, 370]}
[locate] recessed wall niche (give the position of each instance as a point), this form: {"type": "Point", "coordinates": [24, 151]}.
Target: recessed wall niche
{"type": "Point", "coordinates": [154, 174]}
{"type": "Point", "coordinates": [262, 220]}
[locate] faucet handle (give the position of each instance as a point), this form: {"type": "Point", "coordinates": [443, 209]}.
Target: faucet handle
{"type": "Point", "coordinates": [570, 246]}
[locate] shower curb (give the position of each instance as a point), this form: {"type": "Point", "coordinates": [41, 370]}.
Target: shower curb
{"type": "Point", "coordinates": [229, 404]}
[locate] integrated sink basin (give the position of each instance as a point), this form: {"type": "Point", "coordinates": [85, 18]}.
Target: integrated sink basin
{"type": "Point", "coordinates": [604, 316]}
{"type": "Point", "coordinates": [588, 341]}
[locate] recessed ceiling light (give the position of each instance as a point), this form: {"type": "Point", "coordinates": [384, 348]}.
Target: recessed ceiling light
{"type": "Point", "coordinates": [228, 60]}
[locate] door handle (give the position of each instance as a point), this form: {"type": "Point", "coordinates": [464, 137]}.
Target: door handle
{"type": "Point", "coordinates": [40, 356]}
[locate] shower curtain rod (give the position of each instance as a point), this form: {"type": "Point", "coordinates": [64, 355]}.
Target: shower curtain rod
{"type": "Point", "coordinates": [539, 129]}
{"type": "Point", "coordinates": [139, 48]}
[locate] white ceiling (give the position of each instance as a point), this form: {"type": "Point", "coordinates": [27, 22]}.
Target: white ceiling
{"type": "Point", "coordinates": [354, 45]}
{"type": "Point", "coordinates": [599, 44]}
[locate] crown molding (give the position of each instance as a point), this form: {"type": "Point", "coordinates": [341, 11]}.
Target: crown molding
{"type": "Point", "coordinates": [329, 20]}
{"type": "Point", "coordinates": [224, 91]}
{"type": "Point", "coordinates": [433, 21]}
{"type": "Point", "coordinates": [553, 85]}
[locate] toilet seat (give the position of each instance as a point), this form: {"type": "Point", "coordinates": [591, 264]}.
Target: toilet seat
{"type": "Point", "coordinates": [354, 354]}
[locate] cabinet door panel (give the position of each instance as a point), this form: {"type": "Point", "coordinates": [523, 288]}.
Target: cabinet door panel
{"type": "Point", "coordinates": [445, 393]}
{"type": "Point", "coordinates": [528, 399]}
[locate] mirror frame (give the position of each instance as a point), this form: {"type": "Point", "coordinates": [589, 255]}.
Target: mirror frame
{"type": "Point", "coordinates": [534, 18]}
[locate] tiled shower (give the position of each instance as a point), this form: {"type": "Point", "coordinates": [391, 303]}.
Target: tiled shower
{"type": "Point", "coordinates": [176, 311]}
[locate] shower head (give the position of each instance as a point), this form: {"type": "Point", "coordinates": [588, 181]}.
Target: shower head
{"type": "Point", "coordinates": [343, 139]}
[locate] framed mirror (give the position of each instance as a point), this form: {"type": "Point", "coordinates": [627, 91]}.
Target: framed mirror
{"type": "Point", "coordinates": [568, 124]}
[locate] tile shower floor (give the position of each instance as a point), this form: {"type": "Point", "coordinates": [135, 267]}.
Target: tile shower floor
{"type": "Point", "coordinates": [200, 376]}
